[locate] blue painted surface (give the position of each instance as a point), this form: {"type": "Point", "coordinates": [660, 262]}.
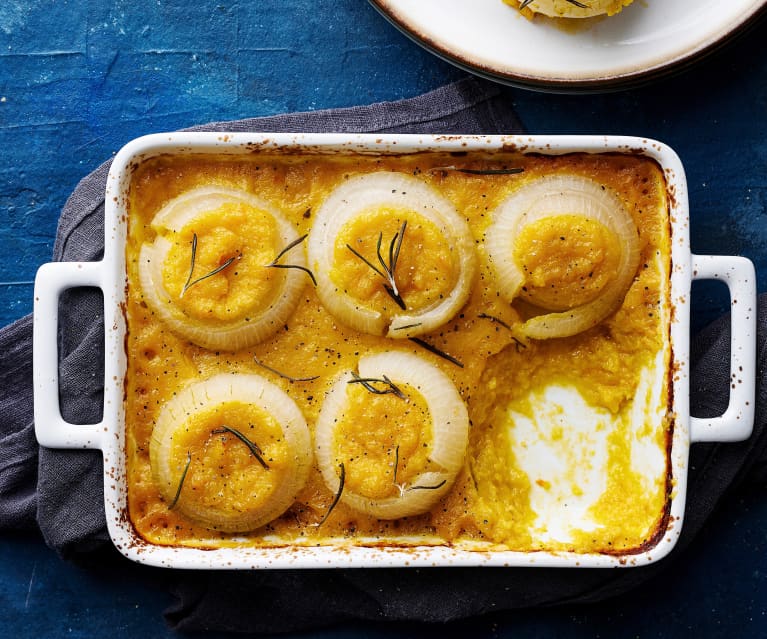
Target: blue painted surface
{"type": "Point", "coordinates": [80, 79]}
{"type": "Point", "coordinates": [719, 591]}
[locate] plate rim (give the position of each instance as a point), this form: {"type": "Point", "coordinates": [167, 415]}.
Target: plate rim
{"type": "Point", "coordinates": [593, 84]}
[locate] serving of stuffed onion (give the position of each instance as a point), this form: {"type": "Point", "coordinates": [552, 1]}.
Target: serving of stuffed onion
{"type": "Point", "coordinates": [570, 8]}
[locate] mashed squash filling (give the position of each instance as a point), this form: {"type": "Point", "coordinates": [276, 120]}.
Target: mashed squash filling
{"type": "Point", "coordinates": [568, 437]}
{"type": "Point", "coordinates": [425, 269]}
{"type": "Point", "coordinates": [567, 260]}
{"type": "Point", "coordinates": [232, 232]}
{"type": "Point", "coordinates": [224, 475]}
{"type": "Point", "coordinates": [383, 440]}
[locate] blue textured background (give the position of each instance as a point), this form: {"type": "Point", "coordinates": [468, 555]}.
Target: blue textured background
{"type": "Point", "coordinates": [79, 79]}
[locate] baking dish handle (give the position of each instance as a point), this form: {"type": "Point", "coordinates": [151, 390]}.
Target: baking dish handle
{"type": "Point", "coordinates": [737, 422]}
{"type": "Point", "coordinates": [51, 429]}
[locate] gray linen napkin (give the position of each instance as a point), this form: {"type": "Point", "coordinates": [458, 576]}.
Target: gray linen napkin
{"type": "Point", "coordinates": [60, 492]}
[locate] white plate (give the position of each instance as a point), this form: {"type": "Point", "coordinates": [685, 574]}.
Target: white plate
{"type": "Point", "coordinates": [647, 39]}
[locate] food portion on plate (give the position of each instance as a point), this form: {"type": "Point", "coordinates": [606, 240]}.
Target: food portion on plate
{"type": "Point", "coordinates": [570, 8]}
{"type": "Point", "coordinates": [464, 349]}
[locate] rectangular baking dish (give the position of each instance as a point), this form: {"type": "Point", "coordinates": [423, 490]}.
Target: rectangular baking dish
{"type": "Point", "coordinates": [110, 276]}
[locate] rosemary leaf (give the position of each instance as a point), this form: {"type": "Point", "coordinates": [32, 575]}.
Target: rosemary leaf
{"type": "Point", "coordinates": [439, 485]}
{"type": "Point", "coordinates": [394, 249]}
{"type": "Point", "coordinates": [512, 171]}
{"type": "Point", "coordinates": [283, 375]}
{"type": "Point", "coordinates": [181, 481]}
{"type": "Point", "coordinates": [364, 259]}
{"type": "Point", "coordinates": [252, 446]}
{"type": "Point", "coordinates": [395, 296]}
{"type": "Point", "coordinates": [433, 349]}
{"type": "Point", "coordinates": [517, 342]}
{"type": "Point", "coordinates": [492, 318]}
{"type": "Point", "coordinates": [396, 463]}
{"type": "Point", "coordinates": [191, 266]}
{"type": "Point", "coordinates": [367, 383]}
{"type": "Point", "coordinates": [293, 244]}
{"type": "Point", "coordinates": [336, 499]}
{"type": "Point", "coordinates": [407, 326]}
{"type": "Point", "coordinates": [297, 267]}
{"type": "Point", "coordinates": [189, 283]}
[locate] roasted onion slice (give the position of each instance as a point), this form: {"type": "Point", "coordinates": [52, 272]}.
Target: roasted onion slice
{"type": "Point", "coordinates": [391, 255]}
{"type": "Point", "coordinates": [400, 430]}
{"type": "Point", "coordinates": [208, 275]}
{"type": "Point", "coordinates": [230, 452]}
{"type": "Point", "coordinates": [595, 273]}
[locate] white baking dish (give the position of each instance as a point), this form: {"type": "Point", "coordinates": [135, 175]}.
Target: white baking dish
{"type": "Point", "coordinates": [110, 276]}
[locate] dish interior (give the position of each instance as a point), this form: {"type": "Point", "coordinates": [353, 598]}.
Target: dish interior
{"type": "Point", "coordinates": [568, 438]}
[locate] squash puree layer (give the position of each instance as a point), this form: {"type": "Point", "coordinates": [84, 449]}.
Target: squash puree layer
{"type": "Point", "coordinates": [425, 271]}
{"type": "Point", "coordinates": [567, 260]}
{"type": "Point", "coordinates": [224, 475]}
{"type": "Point", "coordinates": [236, 232]}
{"type": "Point", "coordinates": [383, 441]}
{"type": "Point", "coordinates": [498, 500]}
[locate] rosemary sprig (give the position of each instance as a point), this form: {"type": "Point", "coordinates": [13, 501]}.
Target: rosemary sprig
{"type": "Point", "coordinates": [189, 283]}
{"type": "Point", "coordinates": [293, 244]}
{"type": "Point", "coordinates": [517, 342]}
{"type": "Point", "coordinates": [494, 319]}
{"type": "Point", "coordinates": [283, 375]}
{"type": "Point", "coordinates": [367, 383]}
{"type": "Point", "coordinates": [403, 487]}
{"type": "Point", "coordinates": [341, 481]}
{"type": "Point", "coordinates": [433, 349]}
{"type": "Point", "coordinates": [388, 269]}
{"type": "Point", "coordinates": [512, 171]}
{"type": "Point", "coordinates": [181, 481]}
{"type": "Point", "coordinates": [254, 448]}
